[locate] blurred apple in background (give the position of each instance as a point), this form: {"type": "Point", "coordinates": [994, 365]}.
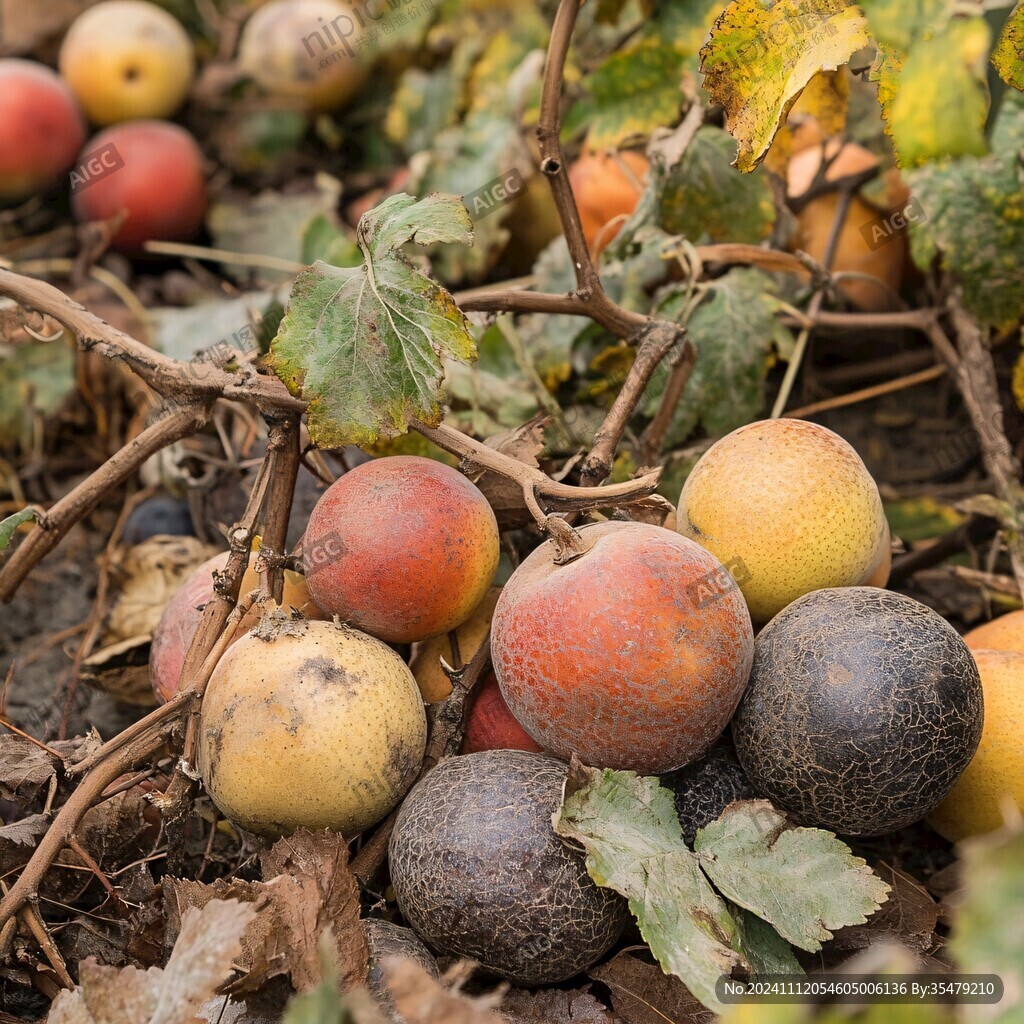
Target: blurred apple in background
{"type": "Point", "coordinates": [305, 50]}
{"type": "Point", "coordinates": [607, 187]}
{"type": "Point", "coordinates": [127, 59]}
{"type": "Point", "coordinates": [160, 188]}
{"type": "Point", "coordinates": [41, 129]}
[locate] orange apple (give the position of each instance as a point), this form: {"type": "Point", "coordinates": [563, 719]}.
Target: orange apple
{"type": "Point", "coordinates": [127, 59]}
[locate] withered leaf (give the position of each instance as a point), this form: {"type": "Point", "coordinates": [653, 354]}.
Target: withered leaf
{"type": "Point", "coordinates": [643, 993]}
{"type": "Point", "coordinates": [553, 1006]}
{"type": "Point", "coordinates": [24, 768]}
{"type": "Point", "coordinates": [419, 999]}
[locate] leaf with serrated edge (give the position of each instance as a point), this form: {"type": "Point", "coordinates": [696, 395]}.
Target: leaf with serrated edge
{"type": "Point", "coordinates": [804, 881]}
{"type": "Point", "coordinates": [759, 59]}
{"type": "Point", "coordinates": [634, 845]}
{"type": "Point", "coordinates": [1008, 55]}
{"type": "Point", "coordinates": [363, 345]}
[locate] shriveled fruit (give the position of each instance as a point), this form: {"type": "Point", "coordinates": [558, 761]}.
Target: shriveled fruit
{"type": "Point", "coordinates": [434, 684]}
{"type": "Point", "coordinates": [127, 59]}
{"type": "Point", "coordinates": [1003, 634]}
{"type": "Point", "coordinates": [863, 710]}
{"type": "Point", "coordinates": [310, 725]}
{"type": "Point", "coordinates": [403, 548]}
{"type": "Point", "coordinates": [792, 508]}
{"type": "Point", "coordinates": [706, 787]}
{"type": "Point", "coordinates": [387, 939]}
{"type": "Point", "coordinates": [607, 187]}
{"type": "Point", "coordinates": [180, 620]}
{"type": "Point", "coordinates": [479, 872]}
{"type": "Point", "coordinates": [491, 726]}
{"type": "Point", "coordinates": [993, 783]}
{"type": "Point", "coordinates": [305, 50]}
{"type": "Point", "coordinates": [854, 254]}
{"type": "Point", "coordinates": [632, 655]}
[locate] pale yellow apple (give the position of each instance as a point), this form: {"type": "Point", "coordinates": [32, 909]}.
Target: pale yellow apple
{"type": "Point", "coordinates": [994, 779]}
{"type": "Point", "coordinates": [789, 507]}
{"type": "Point", "coordinates": [127, 59]}
{"type": "Point", "coordinates": [1003, 634]}
{"type": "Point", "coordinates": [307, 51]}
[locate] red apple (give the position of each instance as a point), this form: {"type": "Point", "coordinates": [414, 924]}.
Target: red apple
{"type": "Point", "coordinates": [41, 128]}
{"type": "Point", "coordinates": [155, 180]}
{"type": "Point", "coordinates": [491, 726]}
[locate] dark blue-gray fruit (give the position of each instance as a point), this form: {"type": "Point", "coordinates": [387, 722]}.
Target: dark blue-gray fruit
{"type": "Point", "coordinates": [158, 515]}
{"type": "Point", "coordinates": [386, 939]}
{"type": "Point", "coordinates": [864, 707]}
{"type": "Point", "coordinates": [706, 787]}
{"type": "Point", "coordinates": [478, 870]}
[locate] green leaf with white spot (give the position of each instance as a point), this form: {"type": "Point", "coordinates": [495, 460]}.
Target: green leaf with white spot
{"type": "Point", "coordinates": [803, 881]}
{"type": "Point", "coordinates": [762, 54]}
{"type": "Point", "coordinates": [364, 345]}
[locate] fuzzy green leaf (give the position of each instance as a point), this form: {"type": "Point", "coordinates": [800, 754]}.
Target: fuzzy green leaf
{"type": "Point", "coordinates": [634, 845]}
{"type": "Point", "coordinates": [363, 345]}
{"type": "Point", "coordinates": [761, 55]}
{"type": "Point", "coordinates": [803, 881]}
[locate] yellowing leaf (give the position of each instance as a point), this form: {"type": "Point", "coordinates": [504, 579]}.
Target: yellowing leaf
{"type": "Point", "coordinates": [825, 99]}
{"type": "Point", "coordinates": [760, 58]}
{"type": "Point", "coordinates": [364, 344]}
{"type": "Point", "coordinates": [934, 98]}
{"type": "Point", "coordinates": [1008, 55]}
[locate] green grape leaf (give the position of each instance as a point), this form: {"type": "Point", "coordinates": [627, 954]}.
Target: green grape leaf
{"type": "Point", "coordinates": [9, 525]}
{"type": "Point", "coordinates": [733, 329]}
{"type": "Point", "coordinates": [987, 934]}
{"type": "Point", "coordinates": [1008, 55]}
{"type": "Point", "coordinates": [35, 377]}
{"type": "Point", "coordinates": [974, 210]}
{"type": "Point", "coordinates": [896, 23]}
{"type": "Point", "coordinates": [761, 55]}
{"type": "Point", "coordinates": [364, 344]}
{"type": "Point", "coordinates": [634, 845]}
{"type": "Point", "coordinates": [803, 881]}
{"type": "Point", "coordinates": [633, 92]}
{"type": "Point", "coordinates": [705, 199]}
{"type": "Point", "coordinates": [934, 97]}
{"type": "Point", "coordinates": [767, 951]}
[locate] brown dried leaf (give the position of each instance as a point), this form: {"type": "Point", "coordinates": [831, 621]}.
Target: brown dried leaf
{"type": "Point", "coordinates": [524, 444]}
{"type": "Point", "coordinates": [909, 916]}
{"type": "Point", "coordinates": [201, 961]}
{"type": "Point", "coordinates": [553, 1006]}
{"type": "Point", "coordinates": [419, 999]}
{"type": "Point", "coordinates": [24, 768]}
{"type": "Point", "coordinates": [643, 994]}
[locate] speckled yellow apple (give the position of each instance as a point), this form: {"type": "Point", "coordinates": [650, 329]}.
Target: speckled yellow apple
{"type": "Point", "coordinates": [789, 507]}
{"type": "Point", "coordinates": [306, 50]}
{"type": "Point", "coordinates": [427, 655]}
{"type": "Point", "coordinates": [1003, 634]}
{"type": "Point", "coordinates": [995, 776]}
{"type": "Point", "coordinates": [127, 59]}
{"type": "Point", "coordinates": [310, 725]}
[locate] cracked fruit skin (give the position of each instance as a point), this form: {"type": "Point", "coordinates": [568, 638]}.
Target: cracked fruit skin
{"type": "Point", "coordinates": [403, 548]}
{"type": "Point", "coordinates": [1003, 634]}
{"type": "Point", "coordinates": [631, 656]}
{"type": "Point", "coordinates": [995, 776]}
{"type": "Point", "coordinates": [161, 188]}
{"type": "Point", "coordinates": [41, 129]}
{"type": "Point", "coordinates": [310, 725]}
{"type": "Point", "coordinates": [284, 46]}
{"type": "Point", "coordinates": [478, 870]}
{"type": "Point", "coordinates": [791, 505]}
{"type": "Point", "coordinates": [127, 59]}
{"type": "Point", "coordinates": [180, 619]}
{"type": "Point", "coordinates": [864, 708]}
